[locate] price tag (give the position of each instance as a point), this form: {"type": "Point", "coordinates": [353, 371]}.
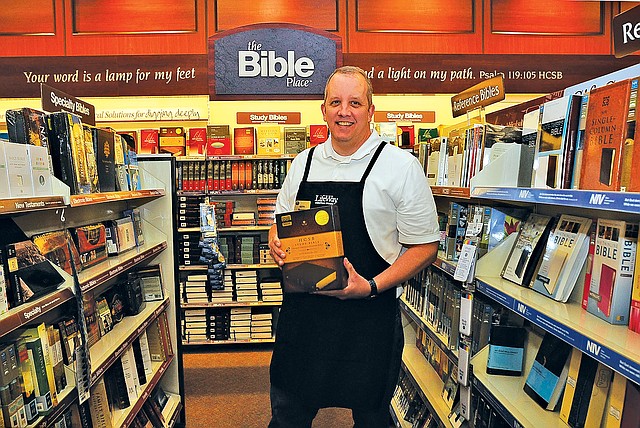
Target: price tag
{"type": "Point", "coordinates": [466, 261]}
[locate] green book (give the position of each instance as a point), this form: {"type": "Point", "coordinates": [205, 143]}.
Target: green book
{"type": "Point", "coordinates": [39, 373]}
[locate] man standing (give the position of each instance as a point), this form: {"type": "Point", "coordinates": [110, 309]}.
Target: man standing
{"type": "Point", "coordinates": [343, 348]}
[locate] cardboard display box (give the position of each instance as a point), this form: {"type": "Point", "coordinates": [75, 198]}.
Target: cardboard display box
{"type": "Point", "coordinates": [312, 240]}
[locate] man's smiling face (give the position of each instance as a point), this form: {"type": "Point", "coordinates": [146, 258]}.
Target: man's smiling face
{"type": "Point", "coordinates": [347, 112]}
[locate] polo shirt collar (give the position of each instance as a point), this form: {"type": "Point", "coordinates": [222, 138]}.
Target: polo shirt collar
{"type": "Point", "coordinates": [368, 146]}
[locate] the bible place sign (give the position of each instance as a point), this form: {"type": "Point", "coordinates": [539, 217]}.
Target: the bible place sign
{"type": "Point", "coordinates": [271, 61]}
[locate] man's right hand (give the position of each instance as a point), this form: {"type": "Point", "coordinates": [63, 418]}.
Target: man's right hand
{"type": "Point", "coordinates": [274, 246]}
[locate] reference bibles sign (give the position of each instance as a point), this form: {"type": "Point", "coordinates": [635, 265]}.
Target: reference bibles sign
{"type": "Point", "coordinates": [262, 60]}
{"type": "Point", "coordinates": [54, 100]}
{"type": "Point", "coordinates": [483, 94]}
{"type": "Point", "coordinates": [626, 32]}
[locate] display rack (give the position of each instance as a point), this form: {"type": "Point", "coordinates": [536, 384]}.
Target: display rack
{"type": "Point", "coordinates": [244, 200]}
{"type": "Point", "coordinates": [35, 215]}
{"type": "Point", "coordinates": [613, 345]}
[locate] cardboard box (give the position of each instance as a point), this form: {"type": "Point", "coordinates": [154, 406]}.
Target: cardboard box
{"type": "Point", "coordinates": [19, 170]}
{"type": "Point", "coordinates": [92, 244]}
{"type": "Point", "coordinates": [312, 240]}
{"type": "Point", "coordinates": [40, 170]}
{"type": "Point", "coordinates": [172, 140]}
{"type": "Point", "coordinates": [148, 141]}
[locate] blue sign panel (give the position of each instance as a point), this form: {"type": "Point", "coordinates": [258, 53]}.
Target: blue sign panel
{"type": "Point", "coordinates": [259, 60]}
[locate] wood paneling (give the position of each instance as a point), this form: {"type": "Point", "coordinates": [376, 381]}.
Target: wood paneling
{"type": "Point", "coordinates": [135, 27]}
{"type": "Point", "coordinates": [546, 17]}
{"type": "Point", "coordinates": [227, 14]}
{"type": "Point", "coordinates": [547, 27]}
{"type": "Point", "coordinates": [133, 16]}
{"type": "Point", "coordinates": [454, 16]}
{"type": "Point", "coordinates": [423, 26]}
{"type": "Point", "coordinates": [40, 18]}
{"type": "Point", "coordinates": [624, 6]}
{"type": "Point", "coordinates": [36, 31]}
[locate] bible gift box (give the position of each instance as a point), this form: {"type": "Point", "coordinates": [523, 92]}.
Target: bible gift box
{"type": "Point", "coordinates": [312, 241]}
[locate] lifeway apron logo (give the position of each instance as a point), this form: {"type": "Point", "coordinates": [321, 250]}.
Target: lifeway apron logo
{"type": "Point", "coordinates": [267, 59]}
{"type": "Point", "coordinates": [325, 200]}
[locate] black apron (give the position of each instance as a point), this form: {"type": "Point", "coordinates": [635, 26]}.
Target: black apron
{"type": "Point", "coordinates": [331, 352]}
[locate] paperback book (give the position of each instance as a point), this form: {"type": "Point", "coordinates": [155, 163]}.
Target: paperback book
{"type": "Point", "coordinates": [563, 258]}
{"type": "Point", "coordinates": [612, 271]}
{"type": "Point", "coordinates": [522, 262]}
{"type": "Point", "coordinates": [607, 137]}
{"type": "Point", "coordinates": [548, 375]}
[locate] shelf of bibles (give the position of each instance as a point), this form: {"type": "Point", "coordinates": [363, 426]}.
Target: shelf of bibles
{"type": "Point", "coordinates": [232, 157]}
{"type": "Point", "coordinates": [506, 395]}
{"type": "Point", "coordinates": [66, 398]}
{"type": "Point", "coordinates": [231, 266]}
{"type": "Point", "coordinates": [27, 312]}
{"type": "Point", "coordinates": [228, 229]}
{"type": "Point", "coordinates": [452, 192]}
{"type": "Point", "coordinates": [114, 265]}
{"type": "Point", "coordinates": [29, 204]}
{"type": "Point", "coordinates": [125, 417]}
{"type": "Point", "coordinates": [427, 382]}
{"type": "Point", "coordinates": [98, 198]}
{"type": "Point", "coordinates": [227, 192]}
{"type": "Point", "coordinates": [171, 410]}
{"type": "Point", "coordinates": [194, 305]}
{"type": "Point", "coordinates": [226, 342]}
{"type": "Point", "coordinates": [436, 336]}
{"type": "Point", "coordinates": [591, 199]}
{"type": "Point", "coordinates": [112, 345]}
{"type": "Point", "coordinates": [613, 345]}
{"type": "Point", "coordinates": [398, 420]}
{"type": "Point", "coordinates": [447, 266]}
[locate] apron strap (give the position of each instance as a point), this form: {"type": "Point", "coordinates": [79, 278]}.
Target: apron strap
{"type": "Point", "coordinates": [373, 161]}
{"type": "Point", "coordinates": [308, 166]}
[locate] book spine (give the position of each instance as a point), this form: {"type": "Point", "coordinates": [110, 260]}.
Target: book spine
{"type": "Point", "coordinates": [48, 360]}
{"type": "Point", "coordinates": [4, 296]}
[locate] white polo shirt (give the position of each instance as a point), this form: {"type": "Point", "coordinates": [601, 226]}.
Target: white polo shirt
{"type": "Point", "coordinates": [398, 204]}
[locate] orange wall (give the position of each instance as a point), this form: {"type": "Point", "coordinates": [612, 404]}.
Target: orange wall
{"type": "Point", "coordinates": [139, 27]}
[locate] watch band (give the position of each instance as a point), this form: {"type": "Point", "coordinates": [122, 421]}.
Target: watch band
{"type": "Point", "coordinates": [374, 288]}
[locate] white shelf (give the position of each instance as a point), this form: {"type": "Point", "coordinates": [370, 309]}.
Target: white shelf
{"type": "Point", "coordinates": [506, 393]}
{"type": "Point", "coordinates": [613, 345]}
{"type": "Point", "coordinates": [125, 417]}
{"type": "Point", "coordinates": [429, 383]}
{"type": "Point", "coordinates": [438, 337]}
{"type": "Point", "coordinates": [112, 345]}
{"type": "Point", "coordinates": [114, 265]}
{"type": "Point", "coordinates": [171, 410]}
{"type": "Point", "coordinates": [185, 305]}
{"type": "Point", "coordinates": [226, 342]}
{"type": "Point", "coordinates": [397, 418]}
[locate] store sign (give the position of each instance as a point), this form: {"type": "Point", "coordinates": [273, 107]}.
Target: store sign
{"type": "Point", "coordinates": [271, 60]}
{"type": "Point", "coordinates": [54, 100]}
{"type": "Point", "coordinates": [626, 32]}
{"type": "Point", "coordinates": [285, 118]}
{"type": "Point", "coordinates": [483, 94]}
{"type": "Point", "coordinates": [405, 116]}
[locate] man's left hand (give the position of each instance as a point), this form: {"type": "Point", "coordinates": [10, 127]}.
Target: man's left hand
{"type": "Point", "coordinates": [357, 286]}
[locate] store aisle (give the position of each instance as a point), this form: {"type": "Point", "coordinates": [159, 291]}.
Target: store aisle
{"type": "Point", "coordinates": [230, 389]}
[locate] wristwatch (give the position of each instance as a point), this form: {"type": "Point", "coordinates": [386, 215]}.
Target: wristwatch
{"type": "Point", "coordinates": [374, 288]}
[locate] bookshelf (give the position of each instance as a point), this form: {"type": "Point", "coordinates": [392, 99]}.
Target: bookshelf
{"type": "Point", "coordinates": [613, 345]}
{"type": "Point", "coordinates": [222, 185]}
{"type": "Point", "coordinates": [37, 215]}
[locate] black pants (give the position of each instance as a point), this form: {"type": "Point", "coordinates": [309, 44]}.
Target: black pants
{"type": "Point", "coordinates": [288, 411]}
